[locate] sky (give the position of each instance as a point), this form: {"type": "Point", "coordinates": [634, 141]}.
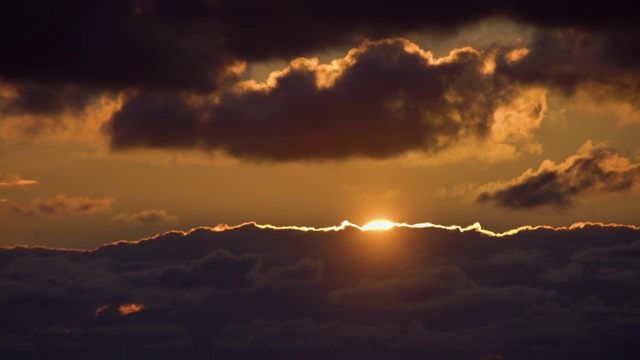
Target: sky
{"type": "Point", "coordinates": [160, 120]}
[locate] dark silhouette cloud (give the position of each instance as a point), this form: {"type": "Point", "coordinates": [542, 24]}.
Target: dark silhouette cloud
{"type": "Point", "coordinates": [63, 205]}
{"type": "Point", "coordinates": [599, 171]}
{"type": "Point", "coordinates": [175, 66]}
{"type": "Point", "coordinates": [404, 293]}
{"type": "Point", "coordinates": [383, 99]}
{"type": "Point", "coordinates": [430, 287]}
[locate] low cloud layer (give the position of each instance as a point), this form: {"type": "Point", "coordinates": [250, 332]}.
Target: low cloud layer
{"type": "Point", "coordinates": [63, 205]}
{"type": "Point", "coordinates": [403, 293]}
{"type": "Point", "coordinates": [598, 170]}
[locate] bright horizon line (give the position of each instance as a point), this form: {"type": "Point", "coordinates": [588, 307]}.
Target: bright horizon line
{"type": "Point", "coordinates": [388, 225]}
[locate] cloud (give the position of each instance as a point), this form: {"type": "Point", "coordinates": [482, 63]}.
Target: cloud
{"type": "Point", "coordinates": [16, 183]}
{"type": "Point", "coordinates": [247, 291]}
{"type": "Point", "coordinates": [219, 269]}
{"type": "Point", "coordinates": [622, 252]}
{"type": "Point", "coordinates": [570, 272]}
{"type": "Point", "coordinates": [597, 170]}
{"type": "Point", "coordinates": [127, 309]}
{"type": "Point", "coordinates": [174, 80]}
{"type": "Point", "coordinates": [145, 217]}
{"type": "Point", "coordinates": [304, 271]}
{"type": "Point", "coordinates": [429, 287]}
{"type": "Point", "coordinates": [383, 99]}
{"type": "Point", "coordinates": [514, 257]}
{"type": "Point", "coordinates": [63, 205]}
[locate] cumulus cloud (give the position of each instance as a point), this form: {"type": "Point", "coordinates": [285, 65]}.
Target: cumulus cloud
{"type": "Point", "coordinates": [174, 80]}
{"type": "Point", "coordinates": [596, 170]}
{"type": "Point", "coordinates": [63, 205]}
{"type": "Point", "coordinates": [383, 99]}
{"type": "Point", "coordinates": [145, 217]}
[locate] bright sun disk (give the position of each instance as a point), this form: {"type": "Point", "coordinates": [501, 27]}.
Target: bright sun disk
{"type": "Point", "coordinates": [378, 225]}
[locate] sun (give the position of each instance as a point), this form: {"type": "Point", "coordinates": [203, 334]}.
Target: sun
{"type": "Point", "coordinates": [378, 225]}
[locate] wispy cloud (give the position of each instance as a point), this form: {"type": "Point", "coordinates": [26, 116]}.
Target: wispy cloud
{"type": "Point", "coordinates": [63, 205]}
{"type": "Point", "coordinates": [145, 217]}
{"type": "Point", "coordinates": [17, 183]}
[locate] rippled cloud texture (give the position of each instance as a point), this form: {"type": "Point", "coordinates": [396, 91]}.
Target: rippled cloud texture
{"type": "Point", "coordinates": [404, 292]}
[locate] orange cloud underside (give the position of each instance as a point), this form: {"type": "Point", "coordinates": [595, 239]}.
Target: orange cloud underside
{"type": "Point", "coordinates": [126, 309]}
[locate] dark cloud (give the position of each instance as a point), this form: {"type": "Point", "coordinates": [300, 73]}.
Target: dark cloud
{"type": "Point", "coordinates": [624, 252]}
{"type": "Point", "coordinates": [305, 270]}
{"type": "Point", "coordinates": [383, 99]}
{"type": "Point", "coordinates": [600, 171]}
{"type": "Point", "coordinates": [178, 62]}
{"type": "Point", "coordinates": [218, 270]}
{"type": "Point", "coordinates": [427, 287]}
{"type": "Point", "coordinates": [174, 44]}
{"type": "Point", "coordinates": [63, 205]}
{"type": "Point", "coordinates": [407, 293]}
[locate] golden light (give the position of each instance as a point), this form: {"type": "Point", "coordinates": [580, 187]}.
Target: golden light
{"type": "Point", "coordinates": [378, 225]}
{"type": "Point", "coordinates": [126, 309]}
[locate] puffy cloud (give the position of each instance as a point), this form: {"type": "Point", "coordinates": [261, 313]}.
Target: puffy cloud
{"type": "Point", "coordinates": [622, 252]}
{"type": "Point", "coordinates": [219, 269]}
{"type": "Point", "coordinates": [167, 74]}
{"type": "Point", "coordinates": [63, 205]}
{"type": "Point", "coordinates": [572, 271]}
{"type": "Point", "coordinates": [430, 287]}
{"type": "Point", "coordinates": [145, 217]}
{"type": "Point", "coordinates": [383, 99]}
{"type": "Point", "coordinates": [304, 271]}
{"type": "Point", "coordinates": [597, 170]}
{"type": "Point", "coordinates": [514, 256]}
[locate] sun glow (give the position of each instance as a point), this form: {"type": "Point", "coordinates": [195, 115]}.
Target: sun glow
{"type": "Point", "coordinates": [378, 225]}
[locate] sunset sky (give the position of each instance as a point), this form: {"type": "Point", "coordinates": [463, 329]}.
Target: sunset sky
{"type": "Point", "coordinates": [123, 120]}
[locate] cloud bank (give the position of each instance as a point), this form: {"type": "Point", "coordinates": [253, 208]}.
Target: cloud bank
{"type": "Point", "coordinates": [537, 293]}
